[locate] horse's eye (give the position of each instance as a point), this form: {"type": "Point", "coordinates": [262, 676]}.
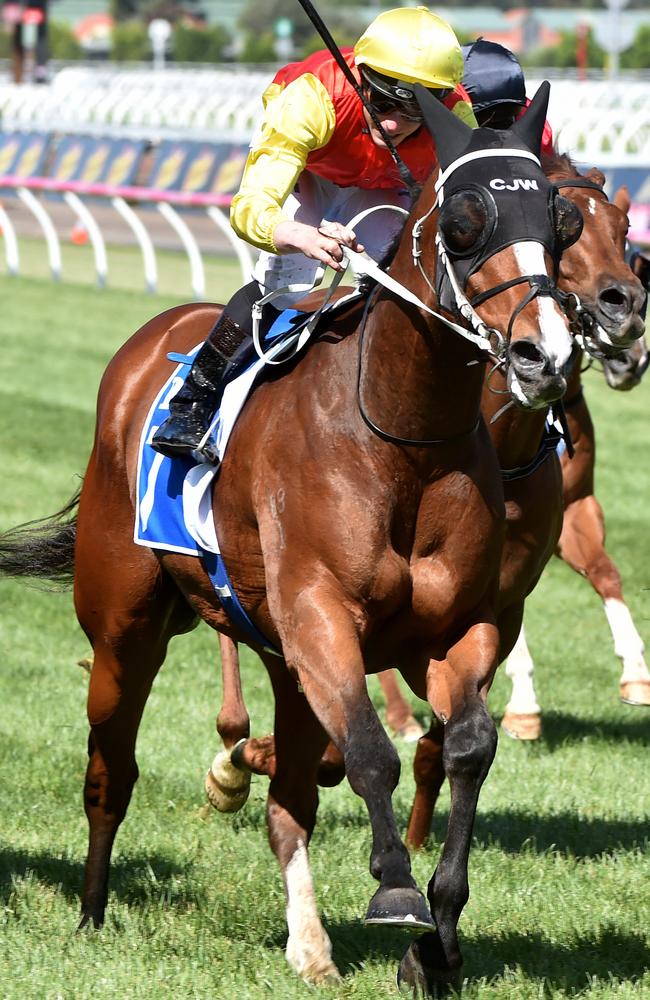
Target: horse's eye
{"type": "Point", "coordinates": [568, 222]}
{"type": "Point", "coordinates": [462, 221]}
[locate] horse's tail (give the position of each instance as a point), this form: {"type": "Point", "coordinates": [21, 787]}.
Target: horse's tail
{"type": "Point", "coordinates": [42, 548]}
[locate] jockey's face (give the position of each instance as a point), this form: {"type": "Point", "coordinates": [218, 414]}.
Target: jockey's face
{"type": "Point", "coordinates": [396, 126]}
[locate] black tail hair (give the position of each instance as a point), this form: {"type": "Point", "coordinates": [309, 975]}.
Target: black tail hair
{"type": "Point", "coordinates": [43, 548]}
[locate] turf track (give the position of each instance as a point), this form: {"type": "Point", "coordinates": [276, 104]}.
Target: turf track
{"type": "Point", "coordinates": [560, 866]}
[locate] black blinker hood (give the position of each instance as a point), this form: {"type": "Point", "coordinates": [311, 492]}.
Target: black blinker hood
{"type": "Point", "coordinates": [522, 193]}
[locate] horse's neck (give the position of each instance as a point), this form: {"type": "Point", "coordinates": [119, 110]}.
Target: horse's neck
{"type": "Point", "coordinates": [422, 379]}
{"type": "Point", "coordinates": [516, 433]}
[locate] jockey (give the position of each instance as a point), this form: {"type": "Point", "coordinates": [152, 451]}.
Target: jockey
{"type": "Point", "coordinates": [318, 160]}
{"type": "Point", "coordinates": [495, 83]}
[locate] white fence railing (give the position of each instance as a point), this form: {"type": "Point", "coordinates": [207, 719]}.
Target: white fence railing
{"type": "Point", "coordinates": [121, 199]}
{"type": "Point", "coordinates": [602, 121]}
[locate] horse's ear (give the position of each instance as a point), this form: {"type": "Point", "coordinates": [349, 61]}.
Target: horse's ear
{"type": "Point", "coordinates": [622, 199]}
{"type": "Point", "coordinates": [530, 127]}
{"type": "Point", "coordinates": [451, 135]}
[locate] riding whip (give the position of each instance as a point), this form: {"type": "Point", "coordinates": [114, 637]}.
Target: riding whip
{"type": "Point", "coordinates": [323, 31]}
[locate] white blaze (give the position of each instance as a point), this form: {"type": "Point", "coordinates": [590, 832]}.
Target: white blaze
{"type": "Point", "coordinates": [556, 339]}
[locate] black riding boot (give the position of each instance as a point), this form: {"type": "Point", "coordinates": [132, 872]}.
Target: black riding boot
{"type": "Point", "coordinates": [221, 358]}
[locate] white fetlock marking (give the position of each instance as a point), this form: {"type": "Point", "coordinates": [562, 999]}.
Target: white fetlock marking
{"type": "Point", "coordinates": [519, 668]}
{"type": "Point", "coordinates": [628, 644]}
{"type": "Point", "coordinates": [309, 950]}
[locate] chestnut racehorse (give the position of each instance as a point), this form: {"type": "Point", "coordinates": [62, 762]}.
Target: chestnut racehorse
{"type": "Point", "coordinates": [360, 513]}
{"type": "Point", "coordinates": [610, 299]}
{"type": "Point", "coordinates": [582, 547]}
{"type": "Point", "coordinates": [594, 269]}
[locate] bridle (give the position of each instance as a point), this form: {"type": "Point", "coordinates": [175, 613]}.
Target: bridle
{"type": "Point", "coordinates": [539, 284]}
{"type": "Point", "coordinates": [581, 322]}
{"type": "Point", "coordinates": [479, 334]}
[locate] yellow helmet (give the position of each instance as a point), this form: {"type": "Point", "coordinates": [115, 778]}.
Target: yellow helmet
{"type": "Point", "coordinates": [413, 45]}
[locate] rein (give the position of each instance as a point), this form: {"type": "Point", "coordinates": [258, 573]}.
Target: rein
{"type": "Point", "coordinates": [386, 435]}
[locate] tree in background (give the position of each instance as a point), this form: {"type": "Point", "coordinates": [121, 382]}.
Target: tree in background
{"type": "Point", "coordinates": [638, 55]}
{"type": "Point", "coordinates": [193, 44]}
{"type": "Point", "coordinates": [563, 55]}
{"type": "Point", "coordinates": [258, 23]}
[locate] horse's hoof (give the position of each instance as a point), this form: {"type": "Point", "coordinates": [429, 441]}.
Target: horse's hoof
{"type": "Point", "coordinates": [419, 979]}
{"type": "Point", "coordinates": [90, 922]}
{"type": "Point", "coordinates": [410, 732]}
{"type": "Point", "coordinates": [226, 787]}
{"type": "Point", "coordinates": [635, 693]}
{"type": "Point", "coordinates": [311, 957]}
{"type": "Point", "coordinates": [522, 725]}
{"type": "Point", "coordinates": [406, 908]}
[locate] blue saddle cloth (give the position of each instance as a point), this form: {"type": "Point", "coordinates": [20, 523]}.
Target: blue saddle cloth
{"type": "Point", "coordinates": [174, 495]}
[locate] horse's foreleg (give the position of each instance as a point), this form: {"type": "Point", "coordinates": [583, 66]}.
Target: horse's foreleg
{"type": "Point", "coordinates": [291, 815]}
{"type": "Point", "coordinates": [226, 786]}
{"type": "Point", "coordinates": [116, 699]}
{"type": "Point", "coordinates": [456, 688]}
{"type": "Point", "coordinates": [582, 546]}
{"type": "Point", "coordinates": [429, 775]}
{"type": "Point", "coordinates": [398, 711]}
{"type": "Point", "coordinates": [324, 647]}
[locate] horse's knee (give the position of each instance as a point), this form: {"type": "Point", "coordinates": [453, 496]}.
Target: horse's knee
{"type": "Point", "coordinates": [370, 758]}
{"type": "Point", "coordinates": [470, 743]}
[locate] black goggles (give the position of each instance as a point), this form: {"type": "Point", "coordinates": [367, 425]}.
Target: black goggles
{"type": "Point", "coordinates": [410, 110]}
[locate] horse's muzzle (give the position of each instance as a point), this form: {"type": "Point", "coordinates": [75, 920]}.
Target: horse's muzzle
{"type": "Point", "coordinates": [533, 379]}
{"type": "Point", "coordinates": [617, 313]}
{"type": "Point", "coordinates": [625, 370]}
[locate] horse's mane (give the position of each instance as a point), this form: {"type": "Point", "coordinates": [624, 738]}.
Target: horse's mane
{"type": "Point", "coordinates": [558, 163]}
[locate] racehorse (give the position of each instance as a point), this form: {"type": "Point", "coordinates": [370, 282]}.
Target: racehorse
{"type": "Point", "coordinates": [582, 546]}
{"type": "Point", "coordinates": [324, 533]}
{"type": "Point", "coordinates": [610, 299]}
{"type": "Point", "coordinates": [582, 542]}
{"type": "Point", "coordinates": [594, 268]}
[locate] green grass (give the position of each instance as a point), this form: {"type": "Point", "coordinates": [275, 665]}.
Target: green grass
{"type": "Point", "coordinates": [125, 271]}
{"type": "Point", "coordinates": [559, 869]}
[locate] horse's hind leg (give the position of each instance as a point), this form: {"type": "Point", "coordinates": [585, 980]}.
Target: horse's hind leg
{"type": "Point", "coordinates": [429, 775]}
{"type": "Point", "coordinates": [398, 711]}
{"type": "Point", "coordinates": [291, 815]}
{"type": "Point", "coordinates": [226, 786]}
{"type": "Point", "coordinates": [129, 611]}
{"type": "Point", "coordinates": [582, 546]}
{"type": "Point", "coordinates": [119, 686]}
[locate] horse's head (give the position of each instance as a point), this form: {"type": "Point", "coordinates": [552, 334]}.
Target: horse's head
{"type": "Point", "coordinates": [608, 295]}
{"type": "Point", "coordinates": [501, 231]}
{"type": "Point", "coordinates": [624, 369]}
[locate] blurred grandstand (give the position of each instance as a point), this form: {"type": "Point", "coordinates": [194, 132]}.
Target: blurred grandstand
{"type": "Point", "coordinates": [102, 141]}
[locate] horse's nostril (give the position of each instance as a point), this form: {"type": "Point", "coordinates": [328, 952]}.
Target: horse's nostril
{"type": "Point", "coordinates": [526, 355]}
{"type": "Point", "coordinates": [615, 299]}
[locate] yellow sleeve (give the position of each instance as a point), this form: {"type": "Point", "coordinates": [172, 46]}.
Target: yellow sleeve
{"type": "Point", "coordinates": [465, 112]}
{"type": "Point", "coordinates": [298, 119]}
